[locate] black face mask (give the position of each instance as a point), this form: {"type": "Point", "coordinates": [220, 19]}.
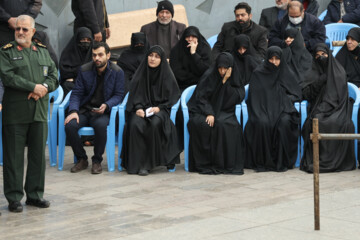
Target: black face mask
{"type": "Point", "coordinates": [322, 61]}
{"type": "Point", "coordinates": [84, 46]}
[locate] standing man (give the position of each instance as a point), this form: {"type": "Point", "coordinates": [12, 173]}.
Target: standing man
{"type": "Point", "coordinates": [312, 29]}
{"type": "Point", "coordinates": [92, 14]}
{"type": "Point", "coordinates": [99, 87]}
{"type": "Point", "coordinates": [242, 25]}
{"type": "Point", "coordinates": [10, 10]}
{"type": "Point", "coordinates": [164, 31]}
{"type": "Point", "coordinates": [28, 75]}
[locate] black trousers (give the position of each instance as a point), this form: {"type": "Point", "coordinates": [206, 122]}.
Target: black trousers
{"type": "Point", "coordinates": [99, 123]}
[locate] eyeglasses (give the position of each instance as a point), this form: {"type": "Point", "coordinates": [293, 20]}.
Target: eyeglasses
{"type": "Point", "coordinates": [25, 30]}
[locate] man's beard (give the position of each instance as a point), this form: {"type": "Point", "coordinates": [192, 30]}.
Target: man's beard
{"type": "Point", "coordinates": [164, 22]}
{"type": "Point", "coordinates": [102, 64]}
{"type": "Point", "coordinates": [281, 6]}
{"type": "Point", "coordinates": [21, 40]}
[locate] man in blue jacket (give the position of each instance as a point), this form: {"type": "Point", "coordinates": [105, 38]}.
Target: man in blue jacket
{"type": "Point", "coordinates": [343, 11]}
{"type": "Point", "coordinates": [99, 87]}
{"type": "Point", "coordinates": [312, 29]}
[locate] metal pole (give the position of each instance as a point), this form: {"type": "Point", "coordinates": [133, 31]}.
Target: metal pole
{"type": "Point", "coordinates": [315, 140]}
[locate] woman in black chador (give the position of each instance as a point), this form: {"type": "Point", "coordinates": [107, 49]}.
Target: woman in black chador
{"type": "Point", "coordinates": [216, 137]}
{"type": "Point", "coordinates": [76, 53]}
{"type": "Point", "coordinates": [150, 137]}
{"type": "Point", "coordinates": [272, 130]}
{"type": "Point", "coordinates": [296, 55]}
{"type": "Point", "coordinates": [190, 58]}
{"type": "Point", "coordinates": [245, 57]}
{"type": "Point", "coordinates": [130, 59]}
{"type": "Point", "coordinates": [349, 56]}
{"type": "Point", "coordinates": [326, 90]}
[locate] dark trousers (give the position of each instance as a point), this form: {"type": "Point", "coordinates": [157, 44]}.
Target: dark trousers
{"type": "Point", "coordinates": [15, 137]}
{"type": "Point", "coordinates": [99, 123]}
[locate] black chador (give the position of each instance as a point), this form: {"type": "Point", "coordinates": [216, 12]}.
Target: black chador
{"type": "Point", "coordinates": [326, 90]}
{"type": "Point", "coordinates": [130, 59]}
{"type": "Point", "coordinates": [296, 55]}
{"type": "Point", "coordinates": [272, 130]}
{"type": "Point", "coordinates": [151, 141]}
{"type": "Point", "coordinates": [218, 148]}
{"type": "Point", "coordinates": [247, 61]}
{"type": "Point", "coordinates": [350, 60]}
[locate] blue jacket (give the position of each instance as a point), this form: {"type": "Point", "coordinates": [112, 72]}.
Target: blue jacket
{"type": "Point", "coordinates": [86, 83]}
{"type": "Point", "coordinates": [352, 9]}
{"type": "Point", "coordinates": [312, 30]}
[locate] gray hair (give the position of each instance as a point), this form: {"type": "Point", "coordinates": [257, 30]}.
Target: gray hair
{"type": "Point", "coordinates": [24, 18]}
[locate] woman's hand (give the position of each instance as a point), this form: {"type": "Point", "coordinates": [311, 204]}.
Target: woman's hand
{"type": "Point", "coordinates": [227, 75]}
{"type": "Point", "coordinates": [140, 113]}
{"type": "Point", "coordinates": [155, 110]}
{"type": "Point", "coordinates": [210, 120]}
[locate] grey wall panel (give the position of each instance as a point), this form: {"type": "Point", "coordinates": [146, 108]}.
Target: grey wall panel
{"type": "Point", "coordinates": [208, 15]}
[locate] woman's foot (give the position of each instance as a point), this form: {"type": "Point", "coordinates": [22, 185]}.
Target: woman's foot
{"type": "Point", "coordinates": [143, 172]}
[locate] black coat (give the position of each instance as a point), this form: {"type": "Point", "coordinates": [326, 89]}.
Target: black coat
{"type": "Point", "coordinates": [312, 30]}
{"type": "Point", "coordinates": [352, 9]}
{"type": "Point", "coordinates": [312, 8]}
{"type": "Point", "coordinates": [225, 40]}
{"type": "Point", "coordinates": [91, 14]}
{"type": "Point", "coordinates": [268, 17]}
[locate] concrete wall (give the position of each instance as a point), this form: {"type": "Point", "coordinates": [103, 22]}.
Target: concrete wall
{"type": "Point", "coordinates": [56, 17]}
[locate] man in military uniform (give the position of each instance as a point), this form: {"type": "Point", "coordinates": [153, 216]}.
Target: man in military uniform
{"type": "Point", "coordinates": [28, 74]}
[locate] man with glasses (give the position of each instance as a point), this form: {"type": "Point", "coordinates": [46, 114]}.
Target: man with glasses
{"type": "Point", "coordinates": [28, 75]}
{"type": "Point", "coordinates": [10, 10]}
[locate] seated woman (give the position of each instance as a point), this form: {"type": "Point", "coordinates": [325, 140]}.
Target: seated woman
{"type": "Point", "coordinates": [272, 130]}
{"type": "Point", "coordinates": [130, 59]}
{"type": "Point", "coordinates": [296, 55]}
{"type": "Point", "coordinates": [245, 57]}
{"type": "Point", "coordinates": [150, 137]}
{"type": "Point", "coordinates": [349, 56]}
{"type": "Point", "coordinates": [216, 137]}
{"type": "Point", "coordinates": [189, 59]}
{"type": "Point", "coordinates": [76, 53]}
{"type": "Point", "coordinates": [325, 88]}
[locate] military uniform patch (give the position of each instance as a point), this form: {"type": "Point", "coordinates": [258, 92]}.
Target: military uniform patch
{"type": "Point", "coordinates": [41, 45]}
{"type": "Point", "coordinates": [7, 46]}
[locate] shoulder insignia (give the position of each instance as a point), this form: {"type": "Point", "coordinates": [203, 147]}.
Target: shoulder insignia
{"type": "Point", "coordinates": [41, 45]}
{"type": "Point", "coordinates": [7, 46]}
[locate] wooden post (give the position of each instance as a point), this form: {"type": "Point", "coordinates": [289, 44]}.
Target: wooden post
{"type": "Point", "coordinates": [315, 140]}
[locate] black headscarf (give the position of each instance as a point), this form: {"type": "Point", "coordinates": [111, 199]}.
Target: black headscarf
{"type": "Point", "coordinates": [211, 96]}
{"type": "Point", "coordinates": [296, 55]}
{"type": "Point", "coordinates": [130, 59]}
{"type": "Point", "coordinates": [187, 68]}
{"type": "Point", "coordinates": [248, 61]}
{"type": "Point", "coordinates": [73, 57]}
{"type": "Point", "coordinates": [272, 90]}
{"type": "Point", "coordinates": [326, 89]}
{"type": "Point", "coordinates": [350, 60]}
{"type": "Point", "coordinates": [153, 87]}
{"type": "Point", "coordinates": [43, 38]}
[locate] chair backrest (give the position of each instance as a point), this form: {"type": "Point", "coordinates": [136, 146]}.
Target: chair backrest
{"type": "Point", "coordinates": [57, 95]}
{"type": "Point", "coordinates": [246, 91]}
{"type": "Point", "coordinates": [338, 31]}
{"type": "Point", "coordinates": [212, 40]}
{"type": "Point", "coordinates": [186, 95]}
{"type": "Point", "coordinates": [354, 92]}
{"type": "Point", "coordinates": [322, 15]}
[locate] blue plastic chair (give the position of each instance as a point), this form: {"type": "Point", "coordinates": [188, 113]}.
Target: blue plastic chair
{"type": "Point", "coordinates": [336, 50]}
{"type": "Point", "coordinates": [338, 32]}
{"type": "Point", "coordinates": [57, 95]}
{"type": "Point", "coordinates": [185, 97]}
{"type": "Point", "coordinates": [322, 15]}
{"type": "Point", "coordinates": [87, 131]}
{"type": "Point", "coordinates": [245, 117]}
{"type": "Point", "coordinates": [122, 109]}
{"type": "Point", "coordinates": [212, 40]}
{"type": "Point", "coordinates": [354, 93]}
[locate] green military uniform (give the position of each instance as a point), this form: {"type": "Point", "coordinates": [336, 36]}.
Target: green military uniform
{"type": "Point", "coordinates": [25, 120]}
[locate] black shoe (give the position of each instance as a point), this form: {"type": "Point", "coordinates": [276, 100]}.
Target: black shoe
{"type": "Point", "coordinates": [143, 172]}
{"type": "Point", "coordinates": [40, 203]}
{"type": "Point", "coordinates": [15, 207]}
{"type": "Point", "coordinates": [80, 165]}
{"type": "Point", "coordinates": [96, 168]}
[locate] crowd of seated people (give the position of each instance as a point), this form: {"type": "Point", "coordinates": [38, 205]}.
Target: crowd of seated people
{"type": "Point", "coordinates": [283, 60]}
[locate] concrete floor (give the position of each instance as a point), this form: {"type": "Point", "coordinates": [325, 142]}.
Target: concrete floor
{"type": "Point", "coordinates": [183, 205]}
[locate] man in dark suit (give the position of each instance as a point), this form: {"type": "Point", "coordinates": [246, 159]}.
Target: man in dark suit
{"type": "Point", "coordinates": [343, 11]}
{"type": "Point", "coordinates": [312, 29]}
{"type": "Point", "coordinates": [164, 31]}
{"type": "Point", "coordinates": [242, 25]}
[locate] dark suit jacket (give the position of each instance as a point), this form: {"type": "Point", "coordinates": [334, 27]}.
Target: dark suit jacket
{"type": "Point", "coordinates": [150, 31]}
{"type": "Point", "coordinates": [225, 40]}
{"type": "Point", "coordinates": [352, 9]}
{"type": "Point", "coordinates": [268, 17]}
{"type": "Point", "coordinates": [312, 30]}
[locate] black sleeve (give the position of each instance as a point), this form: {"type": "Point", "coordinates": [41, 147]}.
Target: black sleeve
{"type": "Point", "coordinates": [275, 36]}
{"type": "Point", "coordinates": [34, 8]}
{"type": "Point", "coordinates": [89, 13]}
